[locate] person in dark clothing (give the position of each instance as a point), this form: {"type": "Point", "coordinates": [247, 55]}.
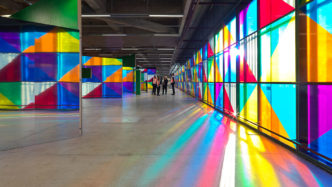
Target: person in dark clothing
{"type": "Point", "coordinates": [165, 84]}
{"type": "Point", "coordinates": [158, 85]}
{"type": "Point", "coordinates": [154, 85]}
{"type": "Point", "coordinates": [173, 83]}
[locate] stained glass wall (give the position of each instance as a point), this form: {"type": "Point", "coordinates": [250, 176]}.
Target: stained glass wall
{"type": "Point", "coordinates": [151, 72]}
{"type": "Point", "coordinates": [144, 79]}
{"type": "Point", "coordinates": [39, 84]}
{"type": "Point", "coordinates": [128, 79]}
{"type": "Point", "coordinates": [106, 79]}
{"type": "Point", "coordinates": [39, 68]}
{"type": "Point", "coordinates": [271, 73]}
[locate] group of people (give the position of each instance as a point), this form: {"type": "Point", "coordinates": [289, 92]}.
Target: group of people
{"type": "Point", "coordinates": [158, 81]}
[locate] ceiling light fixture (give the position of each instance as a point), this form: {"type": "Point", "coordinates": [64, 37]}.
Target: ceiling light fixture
{"type": "Point", "coordinates": [166, 15]}
{"type": "Point", "coordinates": [5, 16]}
{"type": "Point", "coordinates": [167, 35]}
{"type": "Point", "coordinates": [96, 16]}
{"type": "Point", "coordinates": [92, 49]}
{"type": "Point", "coordinates": [129, 49]}
{"type": "Point", "coordinates": [165, 49]}
{"type": "Point", "coordinates": [114, 34]}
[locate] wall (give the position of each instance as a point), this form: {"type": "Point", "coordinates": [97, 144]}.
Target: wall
{"type": "Point", "coordinates": [144, 79]}
{"type": "Point", "coordinates": [151, 72]}
{"type": "Point", "coordinates": [106, 80]}
{"type": "Point", "coordinates": [39, 68]}
{"type": "Point", "coordinates": [128, 79]}
{"type": "Point", "coordinates": [250, 70]}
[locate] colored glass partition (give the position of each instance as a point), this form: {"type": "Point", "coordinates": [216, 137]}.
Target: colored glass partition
{"type": "Point", "coordinates": [106, 79]}
{"type": "Point", "coordinates": [41, 66]}
{"type": "Point", "coordinates": [39, 83]}
{"type": "Point", "coordinates": [128, 79]}
{"type": "Point", "coordinates": [151, 72]}
{"type": "Point", "coordinates": [271, 73]}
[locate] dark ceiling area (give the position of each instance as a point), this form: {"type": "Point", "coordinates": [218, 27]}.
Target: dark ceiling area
{"type": "Point", "coordinates": [9, 7]}
{"type": "Point", "coordinates": [159, 32]}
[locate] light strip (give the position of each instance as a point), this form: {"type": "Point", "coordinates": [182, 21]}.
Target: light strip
{"type": "Point", "coordinates": [166, 15]}
{"type": "Point", "coordinates": [6, 16]}
{"type": "Point", "coordinates": [167, 35]}
{"type": "Point", "coordinates": [92, 49]}
{"type": "Point", "coordinates": [129, 49]}
{"type": "Point", "coordinates": [114, 34]}
{"type": "Point", "coordinates": [165, 49]}
{"type": "Point", "coordinates": [96, 16]}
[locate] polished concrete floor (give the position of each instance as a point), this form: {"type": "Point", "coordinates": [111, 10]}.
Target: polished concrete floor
{"type": "Point", "coordinates": [31, 127]}
{"type": "Point", "coordinates": [158, 141]}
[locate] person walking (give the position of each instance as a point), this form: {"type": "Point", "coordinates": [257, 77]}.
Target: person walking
{"type": "Point", "coordinates": [173, 83]}
{"type": "Point", "coordinates": [158, 85]}
{"type": "Point", "coordinates": [154, 85]}
{"type": "Point", "coordinates": [165, 84]}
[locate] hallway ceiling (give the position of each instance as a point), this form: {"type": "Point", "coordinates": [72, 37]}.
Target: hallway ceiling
{"type": "Point", "coordinates": [159, 32]}
{"type": "Point", "coordinates": [148, 28]}
{"type": "Point", "coordinates": [9, 7]}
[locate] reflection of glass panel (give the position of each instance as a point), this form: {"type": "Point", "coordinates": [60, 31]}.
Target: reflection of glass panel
{"type": "Point", "coordinates": [278, 51]}
{"type": "Point", "coordinates": [248, 59]}
{"type": "Point", "coordinates": [205, 92]}
{"type": "Point", "coordinates": [40, 67]}
{"type": "Point", "coordinates": [248, 20]}
{"type": "Point", "coordinates": [211, 93]}
{"type": "Point", "coordinates": [219, 42]}
{"type": "Point", "coordinates": [211, 69]}
{"type": "Point", "coordinates": [219, 97]}
{"type": "Point", "coordinates": [278, 110]}
{"type": "Point", "coordinates": [200, 91]}
{"type": "Point", "coordinates": [211, 47]}
{"type": "Point", "coordinates": [234, 52]}
{"type": "Point", "coordinates": [230, 98]}
{"type": "Point", "coordinates": [230, 57]}
{"type": "Point", "coordinates": [205, 71]}
{"type": "Point", "coordinates": [271, 10]}
{"type": "Point", "coordinates": [219, 67]}
{"type": "Point", "coordinates": [315, 26]}
{"type": "Point", "coordinates": [230, 33]}
{"type": "Point", "coordinates": [319, 119]}
{"type": "Point", "coordinates": [248, 102]}
{"type": "Point", "coordinates": [10, 70]}
{"type": "Point", "coordinates": [199, 56]}
{"type": "Point", "coordinates": [227, 65]}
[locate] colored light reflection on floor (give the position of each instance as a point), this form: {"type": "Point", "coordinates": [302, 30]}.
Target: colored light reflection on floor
{"type": "Point", "coordinates": [216, 151]}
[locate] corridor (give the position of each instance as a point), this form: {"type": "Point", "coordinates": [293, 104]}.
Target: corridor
{"type": "Point", "coordinates": [158, 141]}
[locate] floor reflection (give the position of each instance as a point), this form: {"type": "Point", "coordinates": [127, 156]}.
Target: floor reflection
{"type": "Point", "coordinates": [216, 151]}
{"type": "Point", "coordinates": [23, 128]}
{"type": "Point", "coordinates": [152, 141]}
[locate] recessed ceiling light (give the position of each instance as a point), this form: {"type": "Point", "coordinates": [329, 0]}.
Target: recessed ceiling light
{"type": "Point", "coordinates": [92, 49]}
{"type": "Point", "coordinates": [96, 16]}
{"type": "Point", "coordinates": [166, 15]}
{"type": "Point", "coordinates": [167, 35]}
{"type": "Point", "coordinates": [114, 34]}
{"type": "Point", "coordinates": [165, 49]}
{"type": "Point", "coordinates": [129, 49]}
